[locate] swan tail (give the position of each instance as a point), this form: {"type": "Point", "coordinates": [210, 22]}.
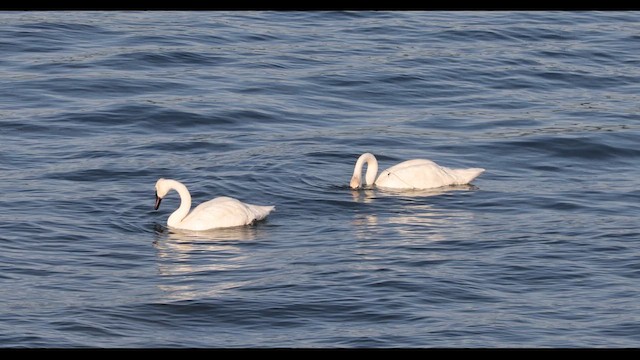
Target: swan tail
{"type": "Point", "coordinates": [261, 211]}
{"type": "Point", "coordinates": [466, 176]}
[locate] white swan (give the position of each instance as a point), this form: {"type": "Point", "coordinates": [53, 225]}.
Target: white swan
{"type": "Point", "coordinates": [216, 213]}
{"type": "Point", "coordinates": [410, 174]}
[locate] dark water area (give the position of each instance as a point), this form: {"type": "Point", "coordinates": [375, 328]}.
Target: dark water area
{"type": "Point", "coordinates": [274, 108]}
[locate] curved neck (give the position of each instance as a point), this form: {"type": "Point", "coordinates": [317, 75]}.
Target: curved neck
{"type": "Point", "coordinates": [372, 168]}
{"type": "Point", "coordinates": [185, 203]}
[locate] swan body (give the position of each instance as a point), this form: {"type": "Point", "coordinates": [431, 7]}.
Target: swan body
{"type": "Point", "coordinates": [410, 174]}
{"type": "Point", "coordinates": [220, 212]}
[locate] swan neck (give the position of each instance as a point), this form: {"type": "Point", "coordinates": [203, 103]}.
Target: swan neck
{"type": "Point", "coordinates": [185, 204]}
{"type": "Point", "coordinates": [372, 168]}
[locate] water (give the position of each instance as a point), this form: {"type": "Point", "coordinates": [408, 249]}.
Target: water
{"type": "Point", "coordinates": [274, 108]}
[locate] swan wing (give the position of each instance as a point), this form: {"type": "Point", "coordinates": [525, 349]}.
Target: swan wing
{"type": "Point", "coordinates": [224, 212]}
{"type": "Point", "coordinates": [416, 174]}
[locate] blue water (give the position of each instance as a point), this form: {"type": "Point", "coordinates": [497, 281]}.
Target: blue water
{"type": "Point", "coordinates": [273, 108]}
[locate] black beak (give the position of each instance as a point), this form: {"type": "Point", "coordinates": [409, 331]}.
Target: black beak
{"type": "Point", "coordinates": [158, 200]}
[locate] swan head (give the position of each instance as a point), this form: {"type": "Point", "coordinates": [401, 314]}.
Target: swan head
{"type": "Point", "coordinates": [162, 188]}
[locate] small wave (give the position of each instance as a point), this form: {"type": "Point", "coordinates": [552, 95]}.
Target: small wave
{"type": "Point", "coordinates": [586, 147]}
{"type": "Point", "coordinates": [63, 27]}
{"type": "Point", "coordinates": [151, 60]}
{"type": "Point", "coordinates": [466, 35]}
{"type": "Point", "coordinates": [98, 174]}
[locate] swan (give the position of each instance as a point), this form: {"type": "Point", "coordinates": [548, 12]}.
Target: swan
{"type": "Point", "coordinates": [410, 174]}
{"type": "Point", "coordinates": [216, 213]}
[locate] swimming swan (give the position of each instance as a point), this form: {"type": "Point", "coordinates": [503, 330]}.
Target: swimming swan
{"type": "Point", "coordinates": [410, 174]}
{"type": "Point", "coordinates": [216, 213]}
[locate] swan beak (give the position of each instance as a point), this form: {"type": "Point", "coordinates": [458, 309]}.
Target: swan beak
{"type": "Point", "coordinates": [355, 182]}
{"type": "Point", "coordinates": [158, 200]}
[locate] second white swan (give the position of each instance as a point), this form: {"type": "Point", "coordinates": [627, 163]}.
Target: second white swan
{"type": "Point", "coordinates": [216, 213]}
{"type": "Point", "coordinates": [410, 174]}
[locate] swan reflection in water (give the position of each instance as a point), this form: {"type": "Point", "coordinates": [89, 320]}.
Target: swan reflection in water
{"type": "Point", "coordinates": [190, 263]}
{"type": "Point", "coordinates": [412, 222]}
{"type": "Point", "coordinates": [213, 236]}
{"type": "Point", "coordinates": [369, 195]}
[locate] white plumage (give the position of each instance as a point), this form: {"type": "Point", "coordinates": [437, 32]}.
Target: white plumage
{"type": "Point", "coordinates": [410, 174]}
{"type": "Point", "coordinates": [220, 212]}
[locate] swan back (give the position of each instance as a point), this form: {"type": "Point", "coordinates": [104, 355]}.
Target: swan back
{"type": "Point", "coordinates": [424, 174]}
{"type": "Point", "coordinates": [223, 212]}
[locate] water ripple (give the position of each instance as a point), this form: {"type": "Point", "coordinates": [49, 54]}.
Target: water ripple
{"type": "Point", "coordinates": [538, 252]}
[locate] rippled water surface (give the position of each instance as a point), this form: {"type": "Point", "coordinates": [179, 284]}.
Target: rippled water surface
{"type": "Point", "coordinates": [274, 108]}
